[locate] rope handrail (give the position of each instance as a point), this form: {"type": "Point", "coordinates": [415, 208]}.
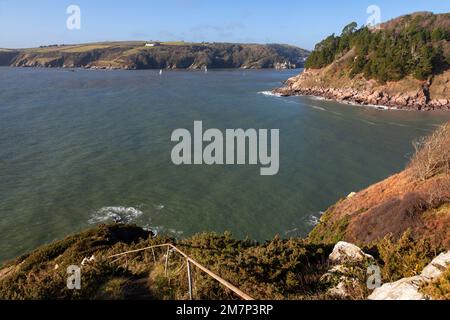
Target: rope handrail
{"type": "Point", "coordinates": [189, 260]}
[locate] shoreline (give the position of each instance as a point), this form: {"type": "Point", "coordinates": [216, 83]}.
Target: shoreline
{"type": "Point", "coordinates": [349, 103]}
{"type": "Point", "coordinates": [355, 104]}
{"type": "Point", "coordinates": [94, 68]}
{"type": "Point", "coordinates": [362, 99]}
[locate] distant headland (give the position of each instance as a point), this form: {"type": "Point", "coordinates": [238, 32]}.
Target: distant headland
{"type": "Point", "coordinates": [157, 55]}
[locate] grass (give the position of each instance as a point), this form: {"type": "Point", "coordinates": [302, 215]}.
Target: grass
{"type": "Point", "coordinates": [177, 43]}
{"type": "Point", "coordinates": [79, 48]}
{"type": "Point", "coordinates": [86, 48]}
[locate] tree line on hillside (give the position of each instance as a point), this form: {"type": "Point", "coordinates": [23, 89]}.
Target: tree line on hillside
{"type": "Point", "coordinates": [387, 55]}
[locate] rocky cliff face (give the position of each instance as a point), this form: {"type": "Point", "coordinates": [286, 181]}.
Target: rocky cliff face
{"type": "Point", "coordinates": [408, 93]}
{"type": "Point", "coordinates": [7, 57]}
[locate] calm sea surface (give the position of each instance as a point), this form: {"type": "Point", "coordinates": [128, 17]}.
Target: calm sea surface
{"type": "Point", "coordinates": [79, 148]}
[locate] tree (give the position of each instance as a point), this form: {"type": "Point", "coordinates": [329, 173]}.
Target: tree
{"type": "Point", "coordinates": [349, 29]}
{"type": "Point", "coordinates": [387, 54]}
{"type": "Point", "coordinates": [424, 68]}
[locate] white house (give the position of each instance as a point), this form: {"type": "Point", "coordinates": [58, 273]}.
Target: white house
{"type": "Point", "coordinates": [152, 44]}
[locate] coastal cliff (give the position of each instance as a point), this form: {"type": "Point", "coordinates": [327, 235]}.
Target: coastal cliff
{"type": "Point", "coordinates": [403, 64]}
{"type": "Point", "coordinates": [155, 55]}
{"type": "Point", "coordinates": [7, 56]}
{"type": "Point", "coordinates": [408, 93]}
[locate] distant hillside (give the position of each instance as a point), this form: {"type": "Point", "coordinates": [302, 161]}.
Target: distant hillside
{"type": "Point", "coordinates": [402, 63]}
{"type": "Point", "coordinates": [165, 55]}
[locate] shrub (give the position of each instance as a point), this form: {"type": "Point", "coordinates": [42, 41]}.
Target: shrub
{"type": "Point", "coordinates": [432, 155]}
{"type": "Point", "coordinates": [406, 257]}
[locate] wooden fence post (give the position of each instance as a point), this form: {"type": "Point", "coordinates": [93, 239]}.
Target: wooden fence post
{"type": "Point", "coordinates": [189, 279]}
{"type": "Point", "coordinates": [166, 265]}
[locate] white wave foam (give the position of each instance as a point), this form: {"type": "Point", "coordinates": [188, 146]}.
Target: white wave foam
{"type": "Point", "coordinates": [154, 230]}
{"type": "Point", "coordinates": [317, 107]}
{"type": "Point", "coordinates": [351, 103]}
{"type": "Point", "coordinates": [163, 230]}
{"type": "Point", "coordinates": [369, 122]}
{"type": "Point", "coordinates": [116, 214]}
{"type": "Point", "coordinates": [291, 231]}
{"type": "Point", "coordinates": [398, 124]}
{"type": "Point", "coordinates": [380, 107]}
{"type": "Point", "coordinates": [314, 219]}
{"type": "Point", "coordinates": [318, 98]}
{"type": "Point", "coordinates": [269, 93]}
{"type": "Point", "coordinates": [291, 102]}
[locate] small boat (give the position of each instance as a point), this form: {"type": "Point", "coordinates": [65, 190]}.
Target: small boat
{"type": "Point", "coordinates": [161, 72]}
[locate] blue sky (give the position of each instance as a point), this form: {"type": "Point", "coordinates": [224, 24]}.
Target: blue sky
{"type": "Point", "coordinates": [29, 23]}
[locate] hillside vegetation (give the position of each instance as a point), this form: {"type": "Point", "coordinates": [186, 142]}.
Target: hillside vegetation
{"type": "Point", "coordinates": [417, 199]}
{"type": "Point", "coordinates": [170, 55]}
{"type": "Point", "coordinates": [403, 64]}
{"type": "Point", "coordinates": [414, 45]}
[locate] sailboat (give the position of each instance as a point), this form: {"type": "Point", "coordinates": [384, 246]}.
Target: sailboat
{"type": "Point", "coordinates": [206, 69]}
{"type": "Point", "coordinates": [161, 72]}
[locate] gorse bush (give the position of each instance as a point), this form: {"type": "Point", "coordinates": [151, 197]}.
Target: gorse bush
{"type": "Point", "coordinates": [276, 269]}
{"type": "Point", "coordinates": [406, 257]}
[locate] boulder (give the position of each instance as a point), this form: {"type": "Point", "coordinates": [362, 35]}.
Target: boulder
{"type": "Point", "coordinates": [347, 252]}
{"type": "Point", "coordinates": [351, 195]}
{"type": "Point", "coordinates": [404, 289]}
{"type": "Point", "coordinates": [437, 266]}
{"type": "Point", "coordinates": [409, 288]}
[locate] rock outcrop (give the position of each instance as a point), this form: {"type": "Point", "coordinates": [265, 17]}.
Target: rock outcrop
{"type": "Point", "coordinates": [405, 94]}
{"type": "Point", "coordinates": [347, 252]}
{"type": "Point", "coordinates": [409, 288]}
{"type": "Point", "coordinates": [346, 278]}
